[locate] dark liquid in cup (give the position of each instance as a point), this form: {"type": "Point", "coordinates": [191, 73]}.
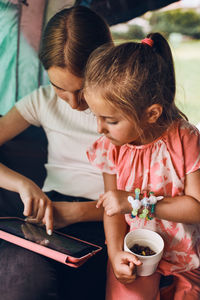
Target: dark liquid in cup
{"type": "Point", "coordinates": [142, 250]}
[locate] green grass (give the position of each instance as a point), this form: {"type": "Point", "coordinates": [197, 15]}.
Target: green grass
{"type": "Point", "coordinates": [187, 65]}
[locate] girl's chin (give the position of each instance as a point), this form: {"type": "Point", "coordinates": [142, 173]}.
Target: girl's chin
{"type": "Point", "coordinates": [115, 142]}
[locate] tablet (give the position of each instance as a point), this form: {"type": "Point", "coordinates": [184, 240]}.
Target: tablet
{"type": "Point", "coordinates": [58, 246]}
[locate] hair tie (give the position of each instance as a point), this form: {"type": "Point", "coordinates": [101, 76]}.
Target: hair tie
{"type": "Point", "coordinates": [147, 41]}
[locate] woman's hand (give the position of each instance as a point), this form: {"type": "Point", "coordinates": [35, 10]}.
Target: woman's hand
{"type": "Point", "coordinates": [64, 213]}
{"type": "Point", "coordinates": [124, 266]}
{"type": "Point", "coordinates": [114, 202]}
{"type": "Point", "coordinates": [37, 206]}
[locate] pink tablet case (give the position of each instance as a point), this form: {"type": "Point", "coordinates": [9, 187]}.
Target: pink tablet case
{"type": "Point", "coordinates": [53, 254]}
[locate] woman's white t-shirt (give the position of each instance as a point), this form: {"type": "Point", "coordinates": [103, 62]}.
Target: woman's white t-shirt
{"type": "Point", "coordinates": [69, 133]}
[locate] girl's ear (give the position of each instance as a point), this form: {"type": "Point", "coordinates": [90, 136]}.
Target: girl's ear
{"type": "Point", "coordinates": [153, 113]}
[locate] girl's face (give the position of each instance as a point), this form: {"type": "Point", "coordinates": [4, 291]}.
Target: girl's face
{"type": "Point", "coordinates": [68, 87]}
{"type": "Point", "coordinates": [111, 122]}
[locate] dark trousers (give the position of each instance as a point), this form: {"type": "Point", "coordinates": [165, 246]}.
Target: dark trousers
{"type": "Point", "coordinates": [25, 275]}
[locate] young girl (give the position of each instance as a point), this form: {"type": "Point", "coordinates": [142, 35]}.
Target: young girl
{"type": "Point", "coordinates": [147, 143]}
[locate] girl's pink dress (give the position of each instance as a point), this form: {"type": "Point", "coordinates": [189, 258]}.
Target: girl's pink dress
{"type": "Point", "coordinates": [161, 167]}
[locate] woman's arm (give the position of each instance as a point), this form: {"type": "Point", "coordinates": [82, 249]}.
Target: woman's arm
{"type": "Point", "coordinates": [182, 209]}
{"type": "Point", "coordinates": [36, 203]}
{"type": "Point", "coordinates": [66, 213]}
{"type": "Point", "coordinates": [11, 125]}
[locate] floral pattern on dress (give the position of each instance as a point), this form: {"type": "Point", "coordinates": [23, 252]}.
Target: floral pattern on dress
{"type": "Point", "coordinates": [160, 167]}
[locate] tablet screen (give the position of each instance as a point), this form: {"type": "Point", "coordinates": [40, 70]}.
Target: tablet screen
{"type": "Point", "coordinates": [56, 241]}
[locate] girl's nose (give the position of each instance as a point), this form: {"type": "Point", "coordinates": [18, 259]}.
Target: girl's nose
{"type": "Point", "coordinates": [101, 126]}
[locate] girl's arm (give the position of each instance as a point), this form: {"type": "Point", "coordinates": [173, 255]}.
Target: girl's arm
{"type": "Point", "coordinates": [182, 209]}
{"type": "Point", "coordinates": [115, 227]}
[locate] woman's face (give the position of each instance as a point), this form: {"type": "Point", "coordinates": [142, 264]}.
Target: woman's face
{"type": "Point", "coordinates": [68, 87]}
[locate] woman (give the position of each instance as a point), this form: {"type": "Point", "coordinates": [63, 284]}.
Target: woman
{"type": "Point", "coordinates": [70, 36]}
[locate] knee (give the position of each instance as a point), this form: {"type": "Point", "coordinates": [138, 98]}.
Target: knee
{"type": "Point", "coordinates": [26, 275]}
{"type": "Point", "coordinates": [23, 288]}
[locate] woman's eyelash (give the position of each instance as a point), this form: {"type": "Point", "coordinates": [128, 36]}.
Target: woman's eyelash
{"type": "Point", "coordinates": [60, 89]}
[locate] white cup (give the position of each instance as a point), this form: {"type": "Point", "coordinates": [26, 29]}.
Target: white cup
{"type": "Point", "coordinates": [146, 238]}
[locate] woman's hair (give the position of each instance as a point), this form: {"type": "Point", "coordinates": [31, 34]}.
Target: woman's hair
{"type": "Point", "coordinates": [69, 38]}
{"type": "Point", "coordinates": [134, 76]}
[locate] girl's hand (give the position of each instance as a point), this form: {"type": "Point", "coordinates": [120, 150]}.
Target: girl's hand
{"type": "Point", "coordinates": [124, 266]}
{"type": "Point", "coordinates": [37, 206]}
{"type": "Point", "coordinates": [115, 202]}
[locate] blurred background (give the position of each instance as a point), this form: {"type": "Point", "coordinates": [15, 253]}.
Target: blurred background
{"type": "Point", "coordinates": [22, 23]}
{"type": "Point", "coordinates": [179, 22]}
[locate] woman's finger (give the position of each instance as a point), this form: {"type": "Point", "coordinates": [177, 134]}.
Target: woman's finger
{"type": "Point", "coordinates": [35, 207]}
{"type": "Point", "coordinates": [48, 217]}
{"type": "Point", "coordinates": [41, 210]}
{"type": "Point", "coordinates": [28, 206]}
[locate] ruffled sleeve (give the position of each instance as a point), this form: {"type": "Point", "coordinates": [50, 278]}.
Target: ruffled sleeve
{"type": "Point", "coordinates": [102, 154]}
{"type": "Point", "coordinates": [191, 147]}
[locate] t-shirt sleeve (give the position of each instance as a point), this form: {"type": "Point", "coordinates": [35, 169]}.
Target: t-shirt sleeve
{"type": "Point", "coordinates": [31, 106]}
{"type": "Point", "coordinates": [191, 148]}
{"type": "Point", "coordinates": [102, 155]}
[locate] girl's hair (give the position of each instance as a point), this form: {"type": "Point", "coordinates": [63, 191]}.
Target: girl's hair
{"type": "Point", "coordinates": [69, 38]}
{"type": "Point", "coordinates": [134, 76]}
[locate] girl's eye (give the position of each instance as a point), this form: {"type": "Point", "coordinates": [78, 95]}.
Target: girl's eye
{"type": "Point", "coordinates": [112, 123]}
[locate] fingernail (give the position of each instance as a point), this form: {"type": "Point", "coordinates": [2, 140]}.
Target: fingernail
{"type": "Point", "coordinates": [49, 232]}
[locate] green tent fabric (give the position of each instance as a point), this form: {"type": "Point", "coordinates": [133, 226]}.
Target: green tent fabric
{"type": "Point", "coordinates": [19, 64]}
{"type": "Point", "coordinates": [28, 69]}
{"type": "Point", "coordinates": [8, 42]}
{"type": "Point", "coordinates": [21, 26]}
